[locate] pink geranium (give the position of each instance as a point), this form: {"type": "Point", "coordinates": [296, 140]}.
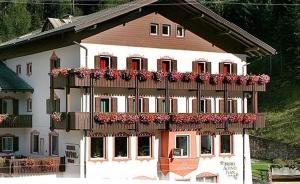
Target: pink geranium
{"type": "Point", "coordinates": [263, 79]}
{"type": "Point", "coordinates": [145, 75]}
{"type": "Point", "coordinates": [216, 79]}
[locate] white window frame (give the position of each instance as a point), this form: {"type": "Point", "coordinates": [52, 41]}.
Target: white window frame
{"type": "Point", "coordinates": [169, 30]}
{"type": "Point", "coordinates": [188, 143]}
{"type": "Point", "coordinates": [157, 28]}
{"type": "Point", "coordinates": [109, 102]}
{"type": "Point", "coordinates": [150, 146]}
{"type": "Point", "coordinates": [109, 60]}
{"type": "Point", "coordinates": [204, 104]}
{"type": "Point", "coordinates": [29, 69]}
{"type": "Point", "coordinates": [32, 142]}
{"type": "Point", "coordinates": [104, 149]}
{"type": "Point", "coordinates": [230, 67]}
{"type": "Point", "coordinates": [19, 69]}
{"type": "Point", "coordinates": [204, 65]}
{"type": "Point", "coordinates": [231, 145]}
{"type": "Point", "coordinates": [211, 145]}
{"type": "Point", "coordinates": [229, 105]}
{"type": "Point", "coordinates": [170, 64]}
{"type": "Point", "coordinates": [140, 62]}
{"type": "Point", "coordinates": [114, 156]}
{"type": "Point", "coordinates": [51, 149]}
{"type": "Point", "coordinates": [205, 178]}
{"type": "Point", "coordinates": [12, 144]}
{"type": "Point", "coordinates": [183, 31]}
{"type": "Point", "coordinates": [29, 104]}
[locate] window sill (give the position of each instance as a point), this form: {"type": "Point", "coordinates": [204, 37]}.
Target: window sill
{"type": "Point", "coordinates": [144, 158]}
{"type": "Point", "coordinates": [121, 159]}
{"type": "Point", "coordinates": [226, 154]}
{"type": "Point", "coordinates": [98, 159]}
{"type": "Point", "coordinates": [207, 155]}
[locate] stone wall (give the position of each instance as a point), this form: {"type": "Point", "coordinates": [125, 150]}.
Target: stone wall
{"type": "Point", "coordinates": [265, 149]}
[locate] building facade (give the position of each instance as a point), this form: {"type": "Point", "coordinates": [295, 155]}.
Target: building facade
{"type": "Point", "coordinates": [136, 92]}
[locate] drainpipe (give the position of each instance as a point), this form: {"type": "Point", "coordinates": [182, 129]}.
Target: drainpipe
{"type": "Point", "coordinates": [85, 131]}
{"type": "Point", "coordinates": [86, 52]}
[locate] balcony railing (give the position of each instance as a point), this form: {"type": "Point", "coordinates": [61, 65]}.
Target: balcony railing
{"type": "Point", "coordinates": [30, 166]}
{"type": "Point", "coordinates": [73, 81]}
{"type": "Point", "coordinates": [17, 121]}
{"type": "Point", "coordinates": [81, 121]}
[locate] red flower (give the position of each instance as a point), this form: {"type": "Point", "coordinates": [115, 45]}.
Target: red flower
{"type": "Point", "coordinates": [82, 72]}
{"type": "Point", "coordinates": [216, 79]}
{"type": "Point", "coordinates": [175, 76]}
{"type": "Point", "coordinates": [187, 77]}
{"type": "Point", "coordinates": [128, 75]}
{"type": "Point", "coordinates": [242, 79]}
{"type": "Point", "coordinates": [144, 75]}
{"type": "Point", "coordinates": [203, 77]}
{"type": "Point", "coordinates": [63, 72]}
{"type": "Point", "coordinates": [249, 118]}
{"type": "Point", "coordinates": [230, 78]}
{"type": "Point", "coordinates": [263, 79]}
{"type": "Point", "coordinates": [253, 79]}
{"type": "Point", "coordinates": [158, 76]}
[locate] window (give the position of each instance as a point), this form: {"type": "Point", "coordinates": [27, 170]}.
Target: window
{"type": "Point", "coordinates": [153, 29]}
{"type": "Point", "coordinates": [7, 144]}
{"type": "Point", "coordinates": [144, 146]}
{"type": "Point", "coordinates": [201, 67]}
{"type": "Point", "coordinates": [183, 143]}
{"type": "Point", "coordinates": [202, 106]}
{"type": "Point", "coordinates": [166, 66]}
{"type": "Point", "coordinates": [166, 30]}
{"type": "Point", "coordinates": [140, 105]}
{"type": "Point", "coordinates": [104, 62]}
{"type": "Point", "coordinates": [208, 179]}
{"type": "Point", "coordinates": [136, 64]}
{"type": "Point", "coordinates": [104, 105]}
{"type": "Point", "coordinates": [29, 105]}
{"type": "Point", "coordinates": [226, 144]}
{"type": "Point", "coordinates": [206, 144]}
{"type": "Point", "coordinates": [35, 142]}
{"type": "Point", "coordinates": [29, 69]}
{"type": "Point", "coordinates": [7, 106]}
{"type": "Point", "coordinates": [179, 31]}
{"type": "Point", "coordinates": [18, 69]}
{"type": "Point", "coordinates": [55, 63]}
{"type": "Point", "coordinates": [97, 147]}
{"type": "Point", "coordinates": [227, 68]}
{"type": "Point", "coordinates": [54, 145]}
{"type": "Point", "coordinates": [121, 147]}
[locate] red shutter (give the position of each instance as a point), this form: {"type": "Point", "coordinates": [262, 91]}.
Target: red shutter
{"type": "Point", "coordinates": [221, 67]}
{"type": "Point", "coordinates": [195, 106]}
{"type": "Point", "coordinates": [221, 106]}
{"type": "Point", "coordinates": [208, 67]}
{"type": "Point", "coordinates": [114, 104]}
{"type": "Point", "coordinates": [97, 104]}
{"type": "Point", "coordinates": [145, 63]}
{"type": "Point", "coordinates": [130, 105]}
{"type": "Point", "coordinates": [174, 105]}
{"type": "Point", "coordinates": [128, 63]}
{"type": "Point", "coordinates": [145, 104]}
{"type": "Point", "coordinates": [97, 62]}
{"type": "Point", "coordinates": [174, 65]}
{"type": "Point", "coordinates": [114, 62]}
{"type": "Point", "coordinates": [208, 105]}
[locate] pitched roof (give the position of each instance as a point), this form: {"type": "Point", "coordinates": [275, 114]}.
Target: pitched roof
{"type": "Point", "coordinates": [10, 81]}
{"type": "Point", "coordinates": [225, 30]}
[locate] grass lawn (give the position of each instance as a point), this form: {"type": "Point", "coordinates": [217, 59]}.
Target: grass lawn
{"type": "Point", "coordinates": [259, 170]}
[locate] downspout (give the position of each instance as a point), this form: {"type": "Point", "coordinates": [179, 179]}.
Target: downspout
{"type": "Point", "coordinates": [85, 131]}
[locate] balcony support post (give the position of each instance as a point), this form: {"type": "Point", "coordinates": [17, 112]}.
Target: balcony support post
{"type": "Point", "coordinates": [199, 93]}
{"type": "Point", "coordinates": [137, 99]}
{"type": "Point", "coordinates": [254, 99]}
{"type": "Point", "coordinates": [226, 104]}
{"type": "Point", "coordinates": [167, 101]}
{"type": "Point", "coordinates": [91, 103]}
{"type": "Point", "coordinates": [51, 101]}
{"type": "Point", "coordinates": [67, 103]}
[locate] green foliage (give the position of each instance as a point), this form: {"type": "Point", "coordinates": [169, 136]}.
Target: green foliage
{"type": "Point", "coordinates": [286, 163]}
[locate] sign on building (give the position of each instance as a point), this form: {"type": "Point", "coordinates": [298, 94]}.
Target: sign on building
{"type": "Point", "coordinates": [72, 154]}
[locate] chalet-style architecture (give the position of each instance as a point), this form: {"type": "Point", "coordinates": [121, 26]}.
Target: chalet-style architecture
{"type": "Point", "coordinates": [151, 89]}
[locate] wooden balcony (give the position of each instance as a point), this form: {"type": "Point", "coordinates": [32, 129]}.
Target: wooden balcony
{"type": "Point", "coordinates": [30, 166]}
{"type": "Point", "coordinates": [18, 121]}
{"type": "Point", "coordinates": [74, 82]}
{"type": "Point", "coordinates": [81, 121]}
{"type": "Point", "coordinates": [180, 166]}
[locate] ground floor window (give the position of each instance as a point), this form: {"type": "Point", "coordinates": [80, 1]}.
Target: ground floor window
{"type": "Point", "coordinates": [226, 144]}
{"type": "Point", "coordinates": [35, 142]}
{"type": "Point", "coordinates": [144, 146]}
{"type": "Point", "coordinates": [121, 147]}
{"type": "Point", "coordinates": [54, 145]}
{"type": "Point", "coordinates": [206, 144]}
{"type": "Point", "coordinates": [97, 147]}
{"type": "Point", "coordinates": [183, 144]}
{"type": "Point", "coordinates": [208, 179]}
{"type": "Point", "coordinates": [7, 144]}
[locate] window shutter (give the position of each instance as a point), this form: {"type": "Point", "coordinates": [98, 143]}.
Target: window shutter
{"type": "Point", "coordinates": [174, 65]}
{"type": "Point", "coordinates": [128, 63]}
{"type": "Point", "coordinates": [159, 105]}
{"type": "Point", "coordinates": [221, 67]}
{"type": "Point", "coordinates": [145, 63]}
{"type": "Point", "coordinates": [194, 106]}
{"type": "Point", "coordinates": [221, 106]}
{"type": "Point", "coordinates": [114, 62]}
{"type": "Point", "coordinates": [0, 144]}
{"type": "Point", "coordinates": [0, 105]}
{"type": "Point", "coordinates": [97, 104]}
{"type": "Point", "coordinates": [145, 104]}
{"type": "Point", "coordinates": [208, 67]}
{"type": "Point", "coordinates": [234, 106]}
{"type": "Point", "coordinates": [97, 62]}
{"type": "Point", "coordinates": [49, 109]}
{"type": "Point", "coordinates": [114, 104]}
{"type": "Point", "coordinates": [208, 105]}
{"type": "Point", "coordinates": [130, 105]}
{"type": "Point", "coordinates": [15, 106]}
{"type": "Point", "coordinates": [51, 64]}
{"type": "Point", "coordinates": [57, 105]}
{"type": "Point", "coordinates": [234, 68]}
{"type": "Point", "coordinates": [16, 144]}
{"type": "Point", "coordinates": [174, 105]}
{"type": "Point", "coordinates": [194, 66]}
{"type": "Point", "coordinates": [159, 65]}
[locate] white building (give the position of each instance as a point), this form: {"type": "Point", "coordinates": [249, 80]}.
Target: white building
{"type": "Point", "coordinates": [140, 35]}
